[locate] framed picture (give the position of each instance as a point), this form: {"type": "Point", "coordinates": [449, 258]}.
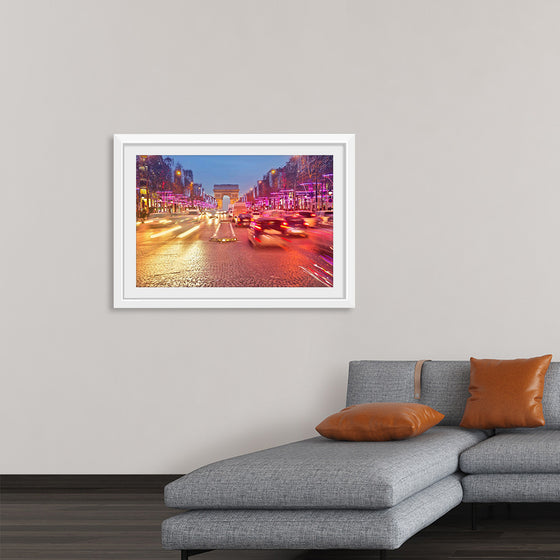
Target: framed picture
{"type": "Point", "coordinates": [234, 220]}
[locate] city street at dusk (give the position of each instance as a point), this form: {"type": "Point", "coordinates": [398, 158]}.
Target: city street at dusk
{"type": "Point", "coordinates": [244, 221]}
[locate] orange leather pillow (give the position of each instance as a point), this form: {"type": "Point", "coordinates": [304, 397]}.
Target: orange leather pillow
{"type": "Point", "coordinates": [382, 421]}
{"type": "Point", "coordinates": [506, 393]}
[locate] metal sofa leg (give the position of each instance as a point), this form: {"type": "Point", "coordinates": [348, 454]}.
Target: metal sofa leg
{"type": "Point", "coordinates": [508, 510]}
{"type": "Point", "coordinates": [473, 516]}
{"type": "Point", "coordinates": [186, 554]}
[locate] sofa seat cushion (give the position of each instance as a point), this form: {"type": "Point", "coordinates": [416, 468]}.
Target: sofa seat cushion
{"type": "Point", "coordinates": [492, 488]}
{"type": "Point", "coordinates": [523, 451]}
{"type": "Point", "coordinates": [319, 473]}
{"type": "Point", "coordinates": [312, 529]}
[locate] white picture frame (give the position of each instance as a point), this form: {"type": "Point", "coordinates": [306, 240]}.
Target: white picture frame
{"type": "Point", "coordinates": [127, 294]}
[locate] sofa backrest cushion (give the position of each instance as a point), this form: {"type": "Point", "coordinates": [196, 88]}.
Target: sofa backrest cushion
{"type": "Point", "coordinates": [445, 387]}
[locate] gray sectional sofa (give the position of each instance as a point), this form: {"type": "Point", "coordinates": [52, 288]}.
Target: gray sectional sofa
{"type": "Point", "coordinates": [325, 494]}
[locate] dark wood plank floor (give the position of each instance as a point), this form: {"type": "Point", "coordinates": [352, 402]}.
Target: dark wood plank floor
{"type": "Point", "coordinates": [92, 524]}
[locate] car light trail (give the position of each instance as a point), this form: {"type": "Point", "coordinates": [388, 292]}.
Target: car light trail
{"type": "Point", "coordinates": [165, 232]}
{"type": "Point", "coordinates": [324, 271]}
{"type": "Point", "coordinates": [188, 232]}
{"type": "Point", "coordinates": [317, 277]}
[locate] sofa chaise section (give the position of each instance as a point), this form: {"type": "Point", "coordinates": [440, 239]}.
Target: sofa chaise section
{"type": "Point", "coordinates": [370, 529]}
{"type": "Point", "coordinates": [323, 474]}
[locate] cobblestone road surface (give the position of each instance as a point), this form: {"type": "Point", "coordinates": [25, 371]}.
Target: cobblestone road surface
{"type": "Point", "coordinates": [176, 251]}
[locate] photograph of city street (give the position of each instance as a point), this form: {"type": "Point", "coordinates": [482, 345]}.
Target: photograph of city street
{"type": "Point", "coordinates": [234, 221]}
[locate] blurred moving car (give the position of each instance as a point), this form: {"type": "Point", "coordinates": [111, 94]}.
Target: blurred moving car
{"type": "Point", "coordinates": [266, 231]}
{"type": "Point", "coordinates": [243, 220]}
{"type": "Point", "coordinates": [237, 209]}
{"type": "Point", "coordinates": [194, 213]}
{"type": "Point", "coordinates": [325, 217]}
{"type": "Point", "coordinates": [294, 225]}
{"type": "Point", "coordinates": [158, 219]}
{"type": "Point", "coordinates": [323, 240]}
{"type": "Point", "coordinates": [309, 217]}
{"type": "Point", "coordinates": [274, 213]}
{"type": "Point", "coordinates": [211, 215]}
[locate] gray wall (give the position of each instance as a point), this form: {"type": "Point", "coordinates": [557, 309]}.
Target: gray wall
{"type": "Point", "coordinates": [455, 107]}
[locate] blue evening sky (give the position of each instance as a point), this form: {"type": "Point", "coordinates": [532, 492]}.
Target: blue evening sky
{"type": "Point", "coordinates": [244, 170]}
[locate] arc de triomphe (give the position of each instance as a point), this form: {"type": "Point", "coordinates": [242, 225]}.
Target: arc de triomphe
{"type": "Point", "coordinates": [226, 190]}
